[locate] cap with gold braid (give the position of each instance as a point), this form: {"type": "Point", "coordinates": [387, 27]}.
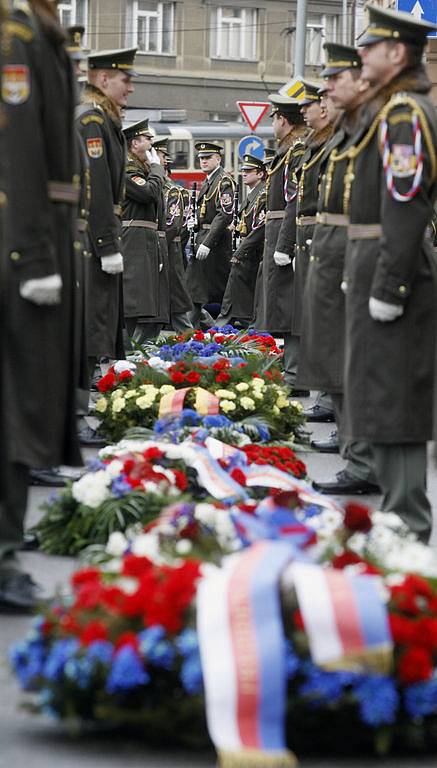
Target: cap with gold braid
{"type": "Point", "coordinates": [207, 148]}
{"type": "Point", "coordinates": [311, 92]}
{"type": "Point", "coordinates": [251, 163]}
{"type": "Point", "coordinates": [401, 27]}
{"type": "Point", "coordinates": [161, 144]}
{"type": "Point", "coordinates": [122, 59]}
{"type": "Point", "coordinates": [74, 42]}
{"type": "Point", "coordinates": [340, 57]}
{"type": "Point", "coordinates": [141, 128]}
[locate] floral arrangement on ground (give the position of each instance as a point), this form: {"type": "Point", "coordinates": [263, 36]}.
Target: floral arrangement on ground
{"type": "Point", "coordinates": [130, 483]}
{"type": "Point", "coordinates": [225, 341]}
{"type": "Point", "coordinates": [137, 394]}
{"type": "Point", "coordinates": [124, 648]}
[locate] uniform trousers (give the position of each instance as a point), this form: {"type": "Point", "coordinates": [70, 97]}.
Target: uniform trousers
{"type": "Point", "coordinates": [15, 482]}
{"type": "Point", "coordinates": [290, 358]}
{"type": "Point", "coordinates": [358, 454]}
{"type": "Point", "coordinates": [141, 331]}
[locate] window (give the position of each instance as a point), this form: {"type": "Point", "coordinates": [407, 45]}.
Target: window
{"type": "Point", "coordinates": [234, 33]}
{"type": "Point", "coordinates": [179, 150]}
{"type": "Point", "coordinates": [319, 29]}
{"type": "Point", "coordinates": [153, 26]}
{"type": "Point", "coordinates": [73, 12]}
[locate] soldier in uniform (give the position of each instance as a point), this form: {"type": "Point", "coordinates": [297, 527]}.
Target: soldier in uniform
{"type": "Point", "coordinates": [389, 276]}
{"type": "Point", "coordinates": [38, 271]}
{"type": "Point", "coordinates": [99, 123]}
{"type": "Point", "coordinates": [181, 305]}
{"type": "Point", "coordinates": [238, 301]}
{"type": "Point", "coordinates": [208, 271]}
{"type": "Point", "coordinates": [275, 308]}
{"type": "Point", "coordinates": [321, 360]}
{"type": "Point", "coordinates": [145, 280]}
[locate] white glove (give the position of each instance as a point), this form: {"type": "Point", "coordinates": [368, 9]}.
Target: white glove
{"type": "Point", "coordinates": [202, 252]}
{"type": "Point", "coordinates": [384, 312]}
{"type": "Point", "coordinates": [343, 286]}
{"type": "Point", "coordinates": [113, 264]}
{"type": "Point", "coordinates": [191, 223]}
{"type": "Point", "coordinates": [281, 259]}
{"type": "Point", "coordinates": [153, 156]}
{"type": "Point", "coordinates": [42, 290]}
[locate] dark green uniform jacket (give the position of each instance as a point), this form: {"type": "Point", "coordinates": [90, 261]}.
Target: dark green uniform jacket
{"type": "Point", "coordinates": [307, 196]}
{"type": "Point", "coordinates": [39, 374]}
{"type": "Point", "coordinates": [389, 366]}
{"type": "Point", "coordinates": [321, 353]}
{"type": "Point", "coordinates": [100, 127]}
{"type": "Point", "coordinates": [207, 279]}
{"type": "Point", "coordinates": [240, 290]}
{"type": "Point", "coordinates": [180, 300]}
{"type": "Point", "coordinates": [83, 254]}
{"type": "Point", "coordinates": [274, 310]}
{"type": "Point", "coordinates": [145, 278]}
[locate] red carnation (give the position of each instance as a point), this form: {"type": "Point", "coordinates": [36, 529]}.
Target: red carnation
{"type": "Point", "coordinates": [181, 479]}
{"type": "Point", "coordinates": [84, 576]}
{"type": "Point", "coordinates": [135, 566]}
{"type": "Point", "coordinates": [345, 559]}
{"type": "Point", "coordinates": [415, 665]}
{"type": "Point", "coordinates": [219, 365]}
{"type": "Point", "coordinates": [152, 454]}
{"type": "Point", "coordinates": [193, 377]}
{"type": "Point", "coordinates": [127, 638]}
{"type": "Point", "coordinates": [238, 476]}
{"type": "Point", "coordinates": [125, 376]}
{"type": "Point", "coordinates": [357, 517]}
{"type": "Point", "coordinates": [198, 336]}
{"type": "Point", "coordinates": [401, 628]}
{"type": "Point", "coordinates": [222, 377]}
{"type": "Point", "coordinates": [95, 630]}
{"type": "Point", "coordinates": [107, 382]}
{"type": "Point", "coordinates": [177, 377]}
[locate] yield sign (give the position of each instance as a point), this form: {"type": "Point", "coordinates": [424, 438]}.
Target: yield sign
{"type": "Point", "coordinates": [253, 111]}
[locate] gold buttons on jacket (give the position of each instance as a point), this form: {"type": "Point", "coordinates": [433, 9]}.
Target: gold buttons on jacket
{"type": "Point", "coordinates": [3, 199]}
{"type": "Point", "coordinates": [402, 289]}
{"type": "Point", "coordinates": [15, 256]}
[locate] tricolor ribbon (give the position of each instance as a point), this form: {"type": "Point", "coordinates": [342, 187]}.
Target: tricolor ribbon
{"type": "Point", "coordinates": [345, 618]}
{"type": "Point", "coordinates": [206, 404]}
{"type": "Point", "coordinates": [213, 477]}
{"type": "Point", "coordinates": [243, 655]}
{"type": "Point", "coordinates": [386, 161]}
{"type": "Point", "coordinates": [271, 477]}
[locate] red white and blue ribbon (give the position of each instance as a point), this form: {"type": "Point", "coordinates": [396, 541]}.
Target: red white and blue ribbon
{"type": "Point", "coordinates": [213, 477]}
{"type": "Point", "coordinates": [386, 161]}
{"type": "Point", "coordinates": [345, 618]}
{"type": "Point", "coordinates": [243, 655]}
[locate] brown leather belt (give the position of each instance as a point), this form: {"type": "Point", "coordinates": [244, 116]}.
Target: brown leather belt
{"type": "Point", "coordinates": [63, 192]}
{"type": "Point", "coordinates": [305, 221]}
{"type": "Point", "coordinates": [141, 224]}
{"type": "Point", "coordinates": [118, 210]}
{"type": "Point", "coordinates": [332, 219]}
{"type": "Point", "coordinates": [205, 226]}
{"type": "Point", "coordinates": [364, 231]}
{"type": "Point", "coordinates": [82, 225]}
{"type": "Point", "coordinates": [275, 215]}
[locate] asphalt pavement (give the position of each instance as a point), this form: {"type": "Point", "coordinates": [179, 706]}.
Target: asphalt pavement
{"type": "Point", "coordinates": [28, 741]}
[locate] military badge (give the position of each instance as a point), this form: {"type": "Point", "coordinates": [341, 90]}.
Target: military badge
{"type": "Point", "coordinates": [15, 84]}
{"type": "Point", "coordinates": [94, 148]}
{"type": "Point", "coordinates": [403, 161]}
{"type": "Point", "coordinates": [139, 180]}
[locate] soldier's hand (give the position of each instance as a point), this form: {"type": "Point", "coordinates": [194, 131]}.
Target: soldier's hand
{"type": "Point", "coordinates": [281, 259]}
{"type": "Point", "coordinates": [202, 252]}
{"type": "Point", "coordinates": [153, 156]}
{"type": "Point", "coordinates": [42, 290]}
{"type": "Point", "coordinates": [384, 312]}
{"type": "Point", "coordinates": [113, 264]}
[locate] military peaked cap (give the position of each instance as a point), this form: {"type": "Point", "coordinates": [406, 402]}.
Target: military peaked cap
{"type": "Point", "coordinates": [250, 163]}
{"type": "Point", "coordinates": [161, 144]}
{"type": "Point", "coordinates": [122, 59]}
{"type": "Point", "coordinates": [141, 128]}
{"type": "Point", "coordinates": [311, 92]}
{"type": "Point", "coordinates": [385, 24]}
{"type": "Point", "coordinates": [74, 42]}
{"type": "Point", "coordinates": [340, 57]}
{"type": "Point", "coordinates": [287, 107]}
{"type": "Point", "coordinates": [207, 148]}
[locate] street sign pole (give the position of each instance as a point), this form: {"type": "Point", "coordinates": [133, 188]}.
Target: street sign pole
{"type": "Point", "coordinates": [301, 30]}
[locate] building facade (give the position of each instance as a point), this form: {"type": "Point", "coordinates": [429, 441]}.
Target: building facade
{"type": "Point", "coordinates": [204, 55]}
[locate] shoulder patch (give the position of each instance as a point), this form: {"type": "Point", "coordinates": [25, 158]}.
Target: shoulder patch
{"type": "Point", "coordinates": [403, 160]}
{"type": "Point", "coordinates": [86, 119]}
{"type": "Point", "coordinates": [15, 84]}
{"type": "Point", "coordinates": [17, 29]}
{"type": "Point", "coordinates": [139, 180]}
{"type": "Point", "coordinates": [94, 148]}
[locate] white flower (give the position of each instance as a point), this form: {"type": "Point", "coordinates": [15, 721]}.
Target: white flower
{"type": "Point", "coordinates": [144, 402]}
{"type": "Point", "coordinates": [166, 388]}
{"type": "Point", "coordinates": [183, 547]}
{"type": "Point", "coordinates": [146, 545]}
{"type": "Point", "coordinates": [117, 544]}
{"type": "Point", "coordinates": [124, 365]}
{"type": "Point", "coordinates": [114, 468]}
{"type": "Point", "coordinates": [227, 405]}
{"type": "Point", "coordinates": [242, 387]}
{"type": "Point", "coordinates": [226, 394]}
{"type": "Point", "coordinates": [205, 513]}
{"type": "Point", "coordinates": [297, 405]}
{"type": "Point", "coordinates": [158, 363]}
{"type": "Point", "coordinates": [258, 383]}
{"type": "Point", "coordinates": [118, 405]}
{"type": "Point", "coordinates": [282, 402]}
{"type": "Point", "coordinates": [131, 393]}
{"type": "Point", "coordinates": [101, 405]}
{"type": "Point", "coordinates": [127, 584]}
{"type": "Point", "coordinates": [92, 489]}
{"type": "Point", "coordinates": [247, 403]}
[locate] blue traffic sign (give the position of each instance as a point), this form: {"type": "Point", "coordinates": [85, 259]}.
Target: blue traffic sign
{"type": "Point", "coordinates": [251, 145]}
{"type": "Point", "coordinates": [420, 9]}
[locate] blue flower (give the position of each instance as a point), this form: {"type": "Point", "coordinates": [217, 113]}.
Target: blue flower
{"type": "Point", "coordinates": [60, 653]}
{"type": "Point", "coordinates": [100, 651]}
{"type": "Point", "coordinates": [187, 642]}
{"type": "Point", "coordinates": [94, 465]}
{"type": "Point", "coordinates": [421, 698]}
{"type": "Point", "coordinates": [225, 330]}
{"type": "Point", "coordinates": [263, 432]}
{"type": "Point", "coordinates": [190, 418]}
{"type": "Point", "coordinates": [216, 421]}
{"type": "Point", "coordinates": [127, 671]}
{"type": "Point", "coordinates": [292, 661]}
{"type": "Point", "coordinates": [191, 674]}
{"type": "Point", "coordinates": [120, 487]}
{"type": "Point", "coordinates": [325, 687]}
{"type": "Point", "coordinates": [79, 670]}
{"type": "Point", "coordinates": [27, 659]}
{"type": "Point", "coordinates": [155, 648]}
{"type": "Point", "coordinates": [149, 637]}
{"type": "Point", "coordinates": [378, 700]}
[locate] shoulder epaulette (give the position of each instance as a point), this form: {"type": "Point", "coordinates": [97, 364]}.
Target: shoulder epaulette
{"type": "Point", "coordinates": [92, 119]}
{"type": "Point", "coordinates": [227, 177]}
{"type": "Point", "coordinates": [18, 29]}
